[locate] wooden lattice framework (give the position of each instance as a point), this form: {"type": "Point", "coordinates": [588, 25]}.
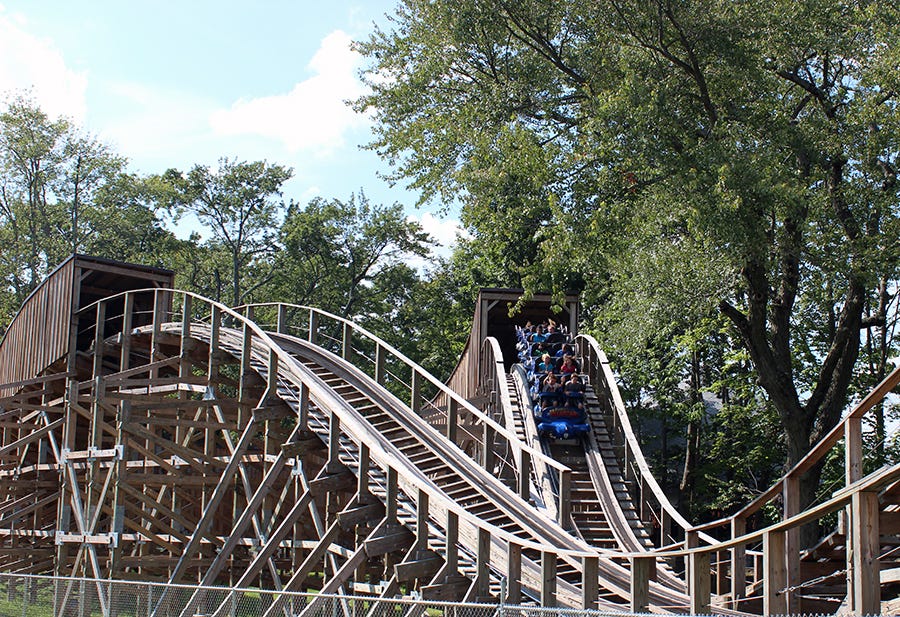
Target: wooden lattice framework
{"type": "Point", "coordinates": [179, 440]}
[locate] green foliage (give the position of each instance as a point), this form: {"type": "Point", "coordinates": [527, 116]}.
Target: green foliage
{"type": "Point", "coordinates": [238, 205]}
{"type": "Point", "coordinates": [63, 191]}
{"type": "Point", "coordinates": [689, 165]}
{"type": "Point", "coordinates": [347, 257]}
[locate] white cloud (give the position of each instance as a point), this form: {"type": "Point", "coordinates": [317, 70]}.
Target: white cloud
{"type": "Point", "coordinates": [29, 62]}
{"type": "Point", "coordinates": [313, 116]}
{"type": "Point", "coordinates": [445, 232]}
{"type": "Point", "coordinates": [160, 127]}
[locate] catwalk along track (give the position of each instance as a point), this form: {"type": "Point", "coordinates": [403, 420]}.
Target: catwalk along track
{"type": "Point", "coordinates": [150, 433]}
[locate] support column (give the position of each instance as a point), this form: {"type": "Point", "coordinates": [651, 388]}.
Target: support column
{"type": "Point", "coordinates": [863, 571]}
{"type": "Point", "coordinates": [738, 563]}
{"type": "Point", "coordinates": [514, 574]}
{"type": "Point", "coordinates": [548, 579]}
{"type": "Point", "coordinates": [590, 592]}
{"type": "Point", "coordinates": [791, 502]}
{"type": "Point", "coordinates": [774, 574]}
{"type": "Point", "coordinates": [640, 583]}
{"type": "Point", "coordinates": [699, 583]}
{"type": "Point", "coordinates": [482, 567]}
{"type": "Point", "coordinates": [565, 499]}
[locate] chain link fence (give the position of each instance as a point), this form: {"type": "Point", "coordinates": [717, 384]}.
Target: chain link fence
{"type": "Point", "coordinates": [46, 596]}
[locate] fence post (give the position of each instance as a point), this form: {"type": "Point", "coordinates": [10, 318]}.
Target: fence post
{"type": "Point", "coordinates": [640, 584]}
{"type": "Point", "coordinates": [347, 339]}
{"type": "Point", "coordinates": [524, 474]}
{"type": "Point", "coordinates": [548, 579]}
{"type": "Point", "coordinates": [452, 419]}
{"type": "Point", "coordinates": [774, 574]}
{"type": "Point", "coordinates": [699, 582]}
{"type": "Point", "coordinates": [415, 395]}
{"type": "Point", "coordinates": [281, 320]}
{"type": "Point", "coordinates": [738, 563]}
{"type": "Point", "coordinates": [379, 364]}
{"type": "Point", "coordinates": [863, 578]}
{"type": "Point", "coordinates": [590, 568]}
{"type": "Point", "coordinates": [514, 574]}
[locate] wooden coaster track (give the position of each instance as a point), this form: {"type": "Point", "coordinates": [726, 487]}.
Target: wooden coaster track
{"type": "Point", "coordinates": [179, 440]}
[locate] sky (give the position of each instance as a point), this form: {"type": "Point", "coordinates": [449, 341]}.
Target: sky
{"type": "Point", "coordinates": [175, 84]}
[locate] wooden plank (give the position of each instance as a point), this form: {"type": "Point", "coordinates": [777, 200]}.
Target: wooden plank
{"type": "Point", "coordinates": [699, 583]}
{"type": "Point", "coordinates": [640, 584]}
{"type": "Point", "coordinates": [450, 590]}
{"type": "Point", "coordinates": [774, 573]}
{"type": "Point", "coordinates": [548, 579]}
{"type": "Point", "coordinates": [393, 538]}
{"type": "Point", "coordinates": [423, 567]}
{"type": "Point", "coordinates": [863, 562]}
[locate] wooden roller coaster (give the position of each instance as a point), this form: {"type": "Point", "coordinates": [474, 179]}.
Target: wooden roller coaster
{"type": "Point", "coordinates": [150, 433]}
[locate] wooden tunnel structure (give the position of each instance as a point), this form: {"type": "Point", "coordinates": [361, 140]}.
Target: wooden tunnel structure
{"type": "Point", "coordinates": [152, 434]}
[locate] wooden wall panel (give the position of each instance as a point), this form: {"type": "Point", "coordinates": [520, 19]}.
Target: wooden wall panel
{"type": "Point", "coordinates": [38, 335]}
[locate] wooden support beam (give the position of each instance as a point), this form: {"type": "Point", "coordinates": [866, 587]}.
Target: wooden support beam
{"type": "Point", "coordinates": [313, 326]}
{"type": "Point", "coordinates": [379, 364]}
{"type": "Point", "coordinates": [352, 516]}
{"type": "Point", "coordinates": [524, 474]}
{"type": "Point", "coordinates": [346, 341]}
{"type": "Point", "coordinates": [564, 513]}
{"type": "Point", "coordinates": [331, 482]}
{"type": "Point", "coordinates": [389, 539]}
{"type": "Point", "coordinates": [452, 534]}
{"type": "Point", "coordinates": [590, 573]}
{"type": "Point", "coordinates": [422, 531]}
{"type": "Point", "coordinates": [513, 574]}
{"type": "Point", "coordinates": [488, 456]}
{"type": "Point", "coordinates": [791, 507]}
{"type": "Point", "coordinates": [415, 395]}
{"type": "Point", "coordinates": [699, 583]}
{"type": "Point", "coordinates": [302, 443]}
{"type": "Point", "coordinates": [738, 563]}
{"type": "Point", "coordinates": [223, 488]}
{"type": "Point", "coordinates": [863, 568]}
{"type": "Point", "coordinates": [452, 419]}
{"type": "Point", "coordinates": [281, 323]}
{"type": "Point", "coordinates": [451, 589]}
{"type": "Point", "coordinates": [640, 583]}
{"type": "Point", "coordinates": [275, 539]}
{"type": "Point", "coordinates": [775, 574]}
{"type": "Point", "coordinates": [392, 495]}
{"type": "Point", "coordinates": [426, 565]}
{"type": "Point", "coordinates": [334, 444]}
{"type": "Point", "coordinates": [482, 565]}
{"type": "Point", "coordinates": [548, 579]}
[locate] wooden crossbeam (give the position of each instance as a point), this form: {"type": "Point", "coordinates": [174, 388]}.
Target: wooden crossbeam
{"type": "Point", "coordinates": [222, 488]}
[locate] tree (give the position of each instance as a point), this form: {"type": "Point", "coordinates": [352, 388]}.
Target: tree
{"type": "Point", "coordinates": [237, 204]}
{"type": "Point", "coordinates": [31, 153]}
{"type": "Point", "coordinates": [761, 136]}
{"type": "Point", "coordinates": [64, 191]}
{"type": "Point", "coordinates": [335, 253]}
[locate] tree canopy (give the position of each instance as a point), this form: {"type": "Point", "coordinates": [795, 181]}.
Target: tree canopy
{"type": "Point", "coordinates": [691, 165]}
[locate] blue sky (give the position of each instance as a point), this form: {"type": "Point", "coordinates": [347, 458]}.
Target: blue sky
{"type": "Point", "coordinates": [173, 84]}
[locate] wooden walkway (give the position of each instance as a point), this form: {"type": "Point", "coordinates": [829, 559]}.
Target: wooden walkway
{"type": "Point", "coordinates": [175, 439]}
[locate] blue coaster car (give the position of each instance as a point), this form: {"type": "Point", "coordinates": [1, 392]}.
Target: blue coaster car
{"type": "Point", "coordinates": [562, 423]}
